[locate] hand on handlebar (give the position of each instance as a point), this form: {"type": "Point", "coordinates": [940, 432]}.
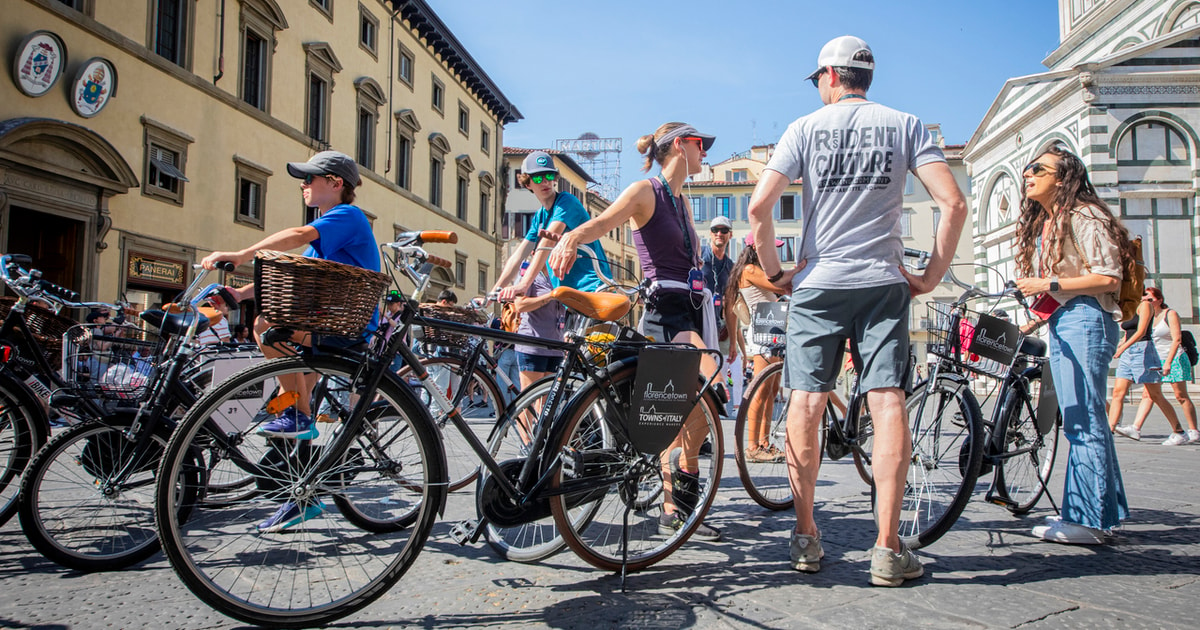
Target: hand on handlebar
{"type": "Point", "coordinates": [213, 260]}
{"type": "Point", "coordinates": [508, 294]}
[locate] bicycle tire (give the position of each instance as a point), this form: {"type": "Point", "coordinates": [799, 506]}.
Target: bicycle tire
{"type": "Point", "coordinates": [71, 511]}
{"type": "Point", "coordinates": [866, 441]}
{"type": "Point", "coordinates": [24, 428]}
{"type": "Point", "coordinates": [767, 481]}
{"type": "Point", "coordinates": [481, 417]}
{"type": "Point", "coordinates": [326, 567]}
{"type": "Point", "coordinates": [599, 540]}
{"type": "Point", "coordinates": [373, 514]}
{"type": "Point", "coordinates": [947, 450]}
{"type": "Point", "coordinates": [1023, 476]}
{"type": "Point", "coordinates": [536, 540]}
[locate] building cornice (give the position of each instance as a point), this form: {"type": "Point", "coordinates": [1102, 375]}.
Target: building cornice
{"type": "Point", "coordinates": [442, 42]}
{"type": "Point", "coordinates": [1057, 95]}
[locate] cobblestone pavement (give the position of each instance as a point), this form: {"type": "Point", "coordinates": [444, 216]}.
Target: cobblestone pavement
{"type": "Point", "coordinates": [987, 572]}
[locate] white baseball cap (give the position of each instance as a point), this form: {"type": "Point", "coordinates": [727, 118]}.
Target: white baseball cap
{"type": "Point", "coordinates": [839, 53]}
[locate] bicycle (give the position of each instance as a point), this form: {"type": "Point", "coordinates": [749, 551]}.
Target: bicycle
{"type": "Point", "coordinates": [30, 345]}
{"type": "Point", "coordinates": [384, 469]}
{"type": "Point", "coordinates": [85, 497]}
{"type": "Point", "coordinates": [951, 440]}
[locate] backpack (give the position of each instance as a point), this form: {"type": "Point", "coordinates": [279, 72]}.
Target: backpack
{"type": "Point", "coordinates": [510, 319]}
{"type": "Point", "coordinates": [1133, 277]}
{"type": "Point", "coordinates": [1189, 346]}
{"type": "Point", "coordinates": [1133, 283]}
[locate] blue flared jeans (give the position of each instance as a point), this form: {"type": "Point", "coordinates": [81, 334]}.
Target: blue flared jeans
{"type": "Point", "coordinates": [1083, 339]}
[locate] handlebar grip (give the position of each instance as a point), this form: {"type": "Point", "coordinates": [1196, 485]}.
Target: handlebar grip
{"type": "Point", "coordinates": [548, 235]}
{"type": "Point", "coordinates": [20, 260]}
{"type": "Point", "coordinates": [438, 236]}
{"type": "Point", "coordinates": [225, 265]}
{"type": "Point", "coordinates": [439, 261]}
{"type": "Point", "coordinates": [914, 253]}
{"type": "Point", "coordinates": [62, 292]}
{"type": "Point", "coordinates": [227, 296]}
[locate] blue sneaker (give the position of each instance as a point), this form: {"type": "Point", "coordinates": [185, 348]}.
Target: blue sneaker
{"type": "Point", "coordinates": [289, 515]}
{"type": "Point", "coordinates": [293, 424]}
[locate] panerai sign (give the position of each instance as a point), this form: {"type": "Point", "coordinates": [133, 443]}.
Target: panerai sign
{"type": "Point", "coordinates": [143, 268]}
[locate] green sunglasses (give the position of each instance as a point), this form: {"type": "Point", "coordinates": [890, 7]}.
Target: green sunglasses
{"type": "Point", "coordinates": [543, 177]}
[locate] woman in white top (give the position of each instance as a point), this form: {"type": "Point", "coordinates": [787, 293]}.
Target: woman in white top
{"type": "Point", "coordinates": [1177, 370]}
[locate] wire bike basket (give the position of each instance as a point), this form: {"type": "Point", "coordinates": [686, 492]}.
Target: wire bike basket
{"type": "Point", "coordinates": [115, 365]}
{"type": "Point", "coordinates": [977, 342]}
{"type": "Point", "coordinates": [314, 295]}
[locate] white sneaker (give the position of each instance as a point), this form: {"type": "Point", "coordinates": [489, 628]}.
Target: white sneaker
{"type": "Point", "coordinates": [1069, 534]}
{"type": "Point", "coordinates": [1193, 436]}
{"type": "Point", "coordinates": [1128, 432]}
{"type": "Point", "coordinates": [1176, 439]}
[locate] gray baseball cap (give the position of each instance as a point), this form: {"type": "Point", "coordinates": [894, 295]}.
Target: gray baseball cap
{"type": "Point", "coordinates": [839, 53]}
{"type": "Point", "coordinates": [327, 163]}
{"type": "Point", "coordinates": [538, 162]}
{"type": "Point", "coordinates": [720, 221]}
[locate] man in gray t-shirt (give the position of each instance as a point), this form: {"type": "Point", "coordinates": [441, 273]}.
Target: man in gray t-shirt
{"type": "Point", "coordinates": [853, 156]}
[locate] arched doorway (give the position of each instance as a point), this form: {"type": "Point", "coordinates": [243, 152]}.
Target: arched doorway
{"type": "Point", "coordinates": [56, 179]}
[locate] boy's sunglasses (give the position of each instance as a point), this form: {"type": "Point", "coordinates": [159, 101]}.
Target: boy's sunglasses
{"type": "Point", "coordinates": [308, 179]}
{"type": "Point", "coordinates": [543, 177]}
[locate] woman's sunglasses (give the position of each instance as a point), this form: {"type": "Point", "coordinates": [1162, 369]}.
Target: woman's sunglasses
{"type": "Point", "coordinates": [543, 177]}
{"type": "Point", "coordinates": [1037, 169]}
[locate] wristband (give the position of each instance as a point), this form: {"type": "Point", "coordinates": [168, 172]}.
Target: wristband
{"type": "Point", "coordinates": [775, 278]}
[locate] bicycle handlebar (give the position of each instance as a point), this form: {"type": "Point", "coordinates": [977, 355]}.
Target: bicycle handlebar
{"type": "Point", "coordinates": [969, 290]}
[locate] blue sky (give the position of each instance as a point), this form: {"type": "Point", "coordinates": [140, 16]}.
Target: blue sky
{"type": "Point", "coordinates": [620, 68]}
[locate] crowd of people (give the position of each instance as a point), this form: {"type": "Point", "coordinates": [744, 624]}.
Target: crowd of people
{"type": "Point", "coordinates": [849, 293]}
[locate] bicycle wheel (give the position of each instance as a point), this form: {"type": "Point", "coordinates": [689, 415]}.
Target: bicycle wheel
{"type": "Point", "coordinates": [1028, 457]}
{"type": "Point", "coordinates": [481, 408]}
{"type": "Point", "coordinates": [365, 487]}
{"type": "Point", "coordinates": [947, 449]}
{"type": "Point", "coordinates": [325, 567]}
{"type": "Point", "coordinates": [23, 430]}
{"type": "Point", "coordinates": [866, 441]}
{"type": "Point", "coordinates": [511, 442]}
{"type": "Point", "coordinates": [87, 499]}
{"type": "Point", "coordinates": [625, 527]}
{"type": "Point", "coordinates": [765, 476]}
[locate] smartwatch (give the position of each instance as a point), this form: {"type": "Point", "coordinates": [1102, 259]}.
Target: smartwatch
{"type": "Point", "coordinates": [1054, 286]}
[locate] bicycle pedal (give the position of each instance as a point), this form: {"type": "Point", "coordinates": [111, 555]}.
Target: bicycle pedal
{"type": "Point", "coordinates": [464, 532]}
{"type": "Point", "coordinates": [999, 500]}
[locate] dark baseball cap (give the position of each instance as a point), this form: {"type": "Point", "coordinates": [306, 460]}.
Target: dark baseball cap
{"type": "Point", "coordinates": [327, 163]}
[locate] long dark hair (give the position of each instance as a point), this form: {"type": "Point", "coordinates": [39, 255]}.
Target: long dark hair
{"type": "Point", "coordinates": [1075, 191]}
{"type": "Point", "coordinates": [749, 256]}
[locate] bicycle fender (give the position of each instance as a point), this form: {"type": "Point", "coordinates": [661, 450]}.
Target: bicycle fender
{"type": "Point", "coordinates": [26, 399]}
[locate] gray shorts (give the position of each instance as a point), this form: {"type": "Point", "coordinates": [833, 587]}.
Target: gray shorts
{"type": "Point", "coordinates": [874, 320]}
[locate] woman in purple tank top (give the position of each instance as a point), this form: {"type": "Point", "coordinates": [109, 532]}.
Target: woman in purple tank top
{"type": "Point", "coordinates": [678, 310]}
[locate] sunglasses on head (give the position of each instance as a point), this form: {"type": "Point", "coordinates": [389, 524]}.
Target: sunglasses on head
{"type": "Point", "coordinates": [721, 230]}
{"type": "Point", "coordinates": [543, 177]}
{"type": "Point", "coordinates": [816, 80]}
{"type": "Point", "coordinates": [1037, 169]}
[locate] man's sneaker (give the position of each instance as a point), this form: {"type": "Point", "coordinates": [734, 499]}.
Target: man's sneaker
{"type": "Point", "coordinates": [1069, 533]}
{"type": "Point", "coordinates": [686, 493]}
{"type": "Point", "coordinates": [1128, 432]}
{"type": "Point", "coordinates": [668, 524]}
{"type": "Point", "coordinates": [1193, 436]}
{"type": "Point", "coordinates": [889, 568]}
{"type": "Point", "coordinates": [292, 423]}
{"type": "Point", "coordinates": [806, 552]}
{"type": "Point", "coordinates": [289, 515]}
{"type": "Point", "coordinates": [1176, 439]}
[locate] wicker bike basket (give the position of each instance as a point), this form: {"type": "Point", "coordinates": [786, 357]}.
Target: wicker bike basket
{"type": "Point", "coordinates": [952, 342]}
{"type": "Point", "coordinates": [435, 336]}
{"type": "Point", "coordinates": [46, 326]}
{"type": "Point", "coordinates": [314, 295]}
